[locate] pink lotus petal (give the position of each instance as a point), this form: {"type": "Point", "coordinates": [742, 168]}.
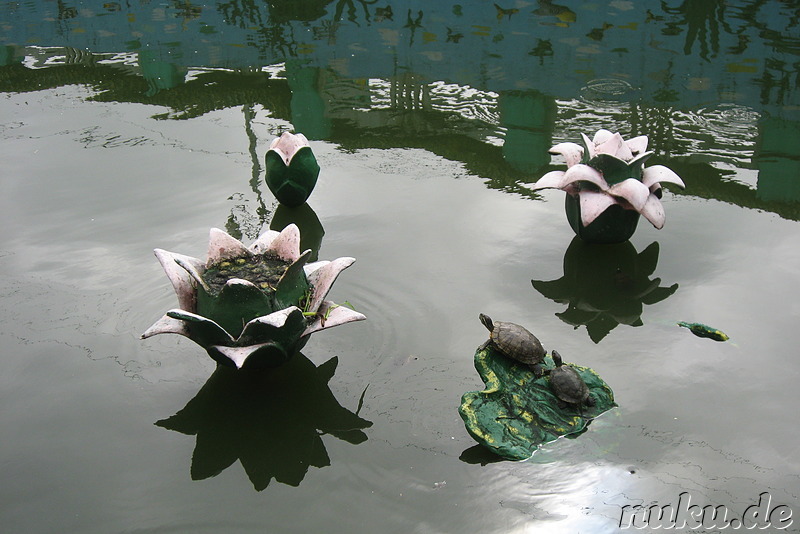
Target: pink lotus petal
{"type": "Point", "coordinates": [175, 325]}
{"type": "Point", "coordinates": [602, 136]}
{"type": "Point", "coordinates": [551, 180]}
{"type": "Point", "coordinates": [572, 152]}
{"type": "Point", "coordinates": [311, 267]}
{"type": "Point", "coordinates": [653, 211]}
{"type": "Point", "coordinates": [263, 242]}
{"type": "Point", "coordinates": [334, 315]}
{"type": "Point", "coordinates": [323, 278]}
{"type": "Point", "coordinates": [238, 355]}
{"type": "Point", "coordinates": [594, 203]}
{"type": "Point", "coordinates": [181, 281]}
{"type": "Point", "coordinates": [637, 145]}
{"type": "Point", "coordinates": [659, 173]}
{"type": "Point", "coordinates": [583, 173]}
{"type": "Point", "coordinates": [287, 145]}
{"type": "Point", "coordinates": [286, 244]}
{"type": "Point", "coordinates": [167, 325]}
{"type": "Point", "coordinates": [632, 190]}
{"type": "Point", "coordinates": [276, 319]}
{"type": "Point", "coordinates": [615, 146]}
{"type": "Point", "coordinates": [222, 246]}
{"type": "Point", "coordinates": [193, 272]}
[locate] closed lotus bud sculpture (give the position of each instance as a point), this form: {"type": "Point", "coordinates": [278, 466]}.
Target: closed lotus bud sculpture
{"type": "Point", "coordinates": [291, 169]}
{"type": "Point", "coordinates": [252, 306]}
{"type": "Point", "coordinates": [608, 186]}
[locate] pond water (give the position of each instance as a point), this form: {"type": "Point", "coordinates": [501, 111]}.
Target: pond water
{"type": "Point", "coordinates": [138, 125]}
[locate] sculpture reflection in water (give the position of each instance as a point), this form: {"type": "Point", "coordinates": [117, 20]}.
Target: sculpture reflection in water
{"type": "Point", "coordinates": [272, 422]}
{"type": "Point", "coordinates": [605, 285]}
{"type": "Point", "coordinates": [305, 218]}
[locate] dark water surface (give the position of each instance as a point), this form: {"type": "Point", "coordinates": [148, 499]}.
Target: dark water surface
{"type": "Point", "coordinates": [133, 126]}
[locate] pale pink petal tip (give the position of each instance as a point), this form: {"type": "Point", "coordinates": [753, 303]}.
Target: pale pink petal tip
{"type": "Point", "coordinates": [593, 204]}
{"type": "Point", "coordinates": [653, 211]}
{"type": "Point", "coordinates": [632, 190]}
{"type": "Point", "coordinates": [572, 152]}
{"type": "Point", "coordinates": [222, 246]}
{"type": "Point", "coordinates": [179, 276]}
{"type": "Point", "coordinates": [330, 315]}
{"type": "Point", "coordinates": [322, 279]}
{"type": "Point", "coordinates": [551, 180]}
{"type": "Point", "coordinates": [286, 244]}
{"type": "Point", "coordinates": [659, 173]}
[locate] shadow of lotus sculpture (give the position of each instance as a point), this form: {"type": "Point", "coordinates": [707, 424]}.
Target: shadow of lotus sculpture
{"type": "Point", "coordinates": [252, 306]}
{"type": "Point", "coordinates": [605, 285]}
{"type": "Point", "coordinates": [608, 186]}
{"type": "Point", "coordinates": [272, 422]}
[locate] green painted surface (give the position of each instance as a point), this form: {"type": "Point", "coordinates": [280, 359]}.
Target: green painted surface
{"type": "Point", "coordinates": [292, 184]}
{"type": "Point", "coordinates": [518, 412]}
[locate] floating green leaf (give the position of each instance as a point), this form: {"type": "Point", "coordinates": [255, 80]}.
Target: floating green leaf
{"type": "Point", "coordinates": [702, 330]}
{"type": "Point", "coordinates": [518, 412]}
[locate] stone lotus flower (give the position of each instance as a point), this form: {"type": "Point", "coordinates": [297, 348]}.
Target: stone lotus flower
{"type": "Point", "coordinates": [252, 306]}
{"type": "Point", "coordinates": [608, 186]}
{"type": "Point", "coordinates": [291, 169]}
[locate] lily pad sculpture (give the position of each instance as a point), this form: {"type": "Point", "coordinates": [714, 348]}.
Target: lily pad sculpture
{"type": "Point", "coordinates": [517, 412]}
{"type": "Point", "coordinates": [608, 186]}
{"type": "Point", "coordinates": [252, 306]}
{"type": "Point", "coordinates": [291, 169]}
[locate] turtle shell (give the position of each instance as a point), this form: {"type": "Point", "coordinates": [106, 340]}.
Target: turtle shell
{"type": "Point", "coordinates": [568, 385]}
{"type": "Point", "coordinates": [517, 343]}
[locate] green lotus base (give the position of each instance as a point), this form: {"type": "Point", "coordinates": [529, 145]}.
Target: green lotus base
{"type": "Point", "coordinates": [518, 412]}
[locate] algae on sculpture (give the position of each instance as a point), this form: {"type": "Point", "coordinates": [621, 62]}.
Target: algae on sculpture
{"type": "Point", "coordinates": [608, 186]}
{"type": "Point", "coordinates": [252, 306]}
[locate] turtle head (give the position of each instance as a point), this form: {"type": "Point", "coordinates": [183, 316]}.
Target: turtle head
{"type": "Point", "coordinates": [487, 322]}
{"type": "Point", "coordinates": [557, 358]}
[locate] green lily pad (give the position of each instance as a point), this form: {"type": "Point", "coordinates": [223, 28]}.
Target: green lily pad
{"type": "Point", "coordinates": [517, 412]}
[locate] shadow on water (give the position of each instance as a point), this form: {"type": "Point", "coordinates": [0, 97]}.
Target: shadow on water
{"type": "Point", "coordinates": [271, 421]}
{"type": "Point", "coordinates": [605, 285]}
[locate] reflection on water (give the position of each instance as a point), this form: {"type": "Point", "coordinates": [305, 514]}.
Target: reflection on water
{"type": "Point", "coordinates": [605, 285]}
{"type": "Point", "coordinates": [311, 230]}
{"type": "Point", "coordinates": [272, 422]}
{"type": "Point", "coordinates": [187, 95]}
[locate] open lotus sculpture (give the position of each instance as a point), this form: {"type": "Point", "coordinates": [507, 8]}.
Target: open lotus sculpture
{"type": "Point", "coordinates": [291, 169]}
{"type": "Point", "coordinates": [252, 306]}
{"type": "Point", "coordinates": [608, 186]}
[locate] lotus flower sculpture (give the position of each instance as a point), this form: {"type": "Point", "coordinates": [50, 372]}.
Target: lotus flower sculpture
{"type": "Point", "coordinates": [252, 306]}
{"type": "Point", "coordinates": [291, 169]}
{"type": "Point", "coordinates": [608, 186]}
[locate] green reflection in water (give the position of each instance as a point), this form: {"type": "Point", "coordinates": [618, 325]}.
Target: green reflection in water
{"type": "Point", "coordinates": [272, 422]}
{"type": "Point", "coordinates": [467, 82]}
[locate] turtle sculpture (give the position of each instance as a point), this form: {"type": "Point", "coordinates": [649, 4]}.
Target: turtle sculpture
{"type": "Point", "coordinates": [515, 342]}
{"type": "Point", "coordinates": [568, 385]}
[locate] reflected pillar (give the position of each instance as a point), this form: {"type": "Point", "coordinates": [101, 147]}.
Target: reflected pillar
{"type": "Point", "coordinates": [160, 75]}
{"type": "Point", "coordinates": [309, 113]}
{"type": "Point", "coordinates": [777, 157]}
{"type": "Point", "coordinates": [529, 118]}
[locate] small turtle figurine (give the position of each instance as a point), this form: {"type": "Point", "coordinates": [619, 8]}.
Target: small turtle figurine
{"type": "Point", "coordinates": [568, 385]}
{"type": "Point", "coordinates": [515, 342]}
